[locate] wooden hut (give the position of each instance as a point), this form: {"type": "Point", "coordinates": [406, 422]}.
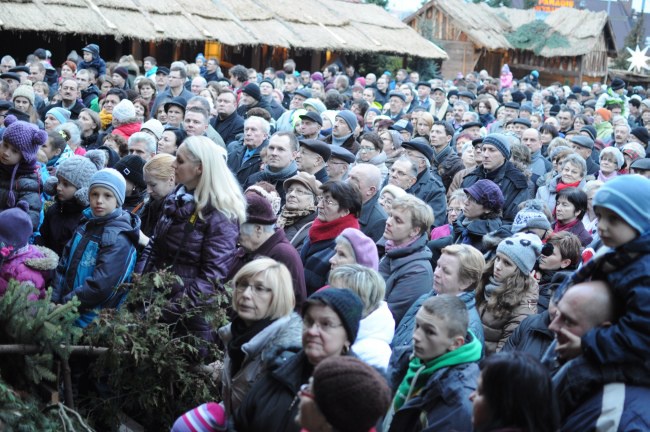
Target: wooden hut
{"type": "Point", "coordinates": [251, 32]}
{"type": "Point", "coordinates": [567, 45]}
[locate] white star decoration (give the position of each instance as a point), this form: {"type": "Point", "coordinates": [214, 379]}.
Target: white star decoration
{"type": "Point", "coordinates": [638, 59]}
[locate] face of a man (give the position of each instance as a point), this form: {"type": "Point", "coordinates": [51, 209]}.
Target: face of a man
{"type": "Point", "coordinates": [309, 129]}
{"type": "Point", "coordinates": [396, 104]}
{"type": "Point", "coordinates": [621, 134]}
{"type": "Point", "coordinates": [531, 139]}
{"type": "Point", "coordinates": [195, 124]}
{"type": "Point", "coordinates": [438, 97]}
{"type": "Point", "coordinates": [296, 101]}
{"type": "Point", "coordinates": [290, 84]}
{"type": "Point", "coordinates": [371, 79]}
{"type": "Point", "coordinates": [139, 148]}
{"type": "Point", "coordinates": [162, 80]}
{"type": "Point", "coordinates": [254, 134]}
{"type": "Point", "coordinates": [565, 120]}
{"type": "Point", "coordinates": [279, 154]}
{"type": "Point", "coordinates": [266, 89]}
{"type": "Point", "coordinates": [492, 157]}
{"type": "Point", "coordinates": [175, 80]}
{"type": "Point", "coordinates": [368, 95]}
{"type": "Point", "coordinates": [382, 84]}
{"type": "Point", "coordinates": [83, 81]}
{"type": "Point", "coordinates": [424, 92]}
{"type": "Point", "coordinates": [400, 75]}
{"type": "Point", "coordinates": [459, 110]}
{"type": "Point", "coordinates": [438, 137]}
{"type": "Point", "coordinates": [400, 175]}
{"type": "Point", "coordinates": [340, 127]}
{"type": "Point", "coordinates": [68, 91]}
{"type": "Point", "coordinates": [35, 74]}
{"type": "Point", "coordinates": [197, 86]}
{"type": "Point", "coordinates": [226, 104]}
{"type": "Point", "coordinates": [510, 113]}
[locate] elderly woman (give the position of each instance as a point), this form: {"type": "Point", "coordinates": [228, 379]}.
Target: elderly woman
{"type": "Point", "coordinates": [323, 406]}
{"type": "Point", "coordinates": [338, 209]}
{"type": "Point", "coordinates": [196, 237]}
{"type": "Point", "coordinates": [611, 160]}
{"type": "Point", "coordinates": [457, 273]}
{"type": "Point", "coordinates": [370, 151]}
{"type": "Point", "coordinates": [299, 211]}
{"type": "Point", "coordinates": [354, 247]}
{"type": "Point", "coordinates": [507, 292]}
{"type": "Point", "coordinates": [330, 326]}
{"type": "Point", "coordinates": [406, 266]}
{"type": "Point", "coordinates": [377, 326]}
{"type": "Point", "coordinates": [388, 194]}
{"type": "Point", "coordinates": [264, 333]}
{"type": "Point", "coordinates": [572, 174]}
{"type": "Point", "coordinates": [392, 145]}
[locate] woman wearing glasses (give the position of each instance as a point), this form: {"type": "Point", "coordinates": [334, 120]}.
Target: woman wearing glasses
{"type": "Point", "coordinates": [330, 326]}
{"type": "Point", "coordinates": [338, 208]}
{"type": "Point", "coordinates": [265, 331]}
{"type": "Point", "coordinates": [370, 151]}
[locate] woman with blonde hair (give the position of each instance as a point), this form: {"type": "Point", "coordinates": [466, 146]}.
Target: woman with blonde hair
{"type": "Point", "coordinates": [264, 332]}
{"type": "Point", "coordinates": [377, 326]}
{"type": "Point", "coordinates": [424, 125]}
{"type": "Point", "coordinates": [196, 236]}
{"type": "Point", "coordinates": [159, 177]}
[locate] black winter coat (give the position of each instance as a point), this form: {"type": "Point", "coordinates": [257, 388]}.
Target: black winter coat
{"type": "Point", "coordinates": [429, 188]}
{"type": "Point", "coordinates": [372, 219]}
{"type": "Point", "coordinates": [242, 171]}
{"type": "Point", "coordinates": [59, 224]}
{"type": "Point", "coordinates": [532, 336]}
{"type": "Point", "coordinates": [229, 127]}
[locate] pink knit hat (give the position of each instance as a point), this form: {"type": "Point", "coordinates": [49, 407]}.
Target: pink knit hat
{"type": "Point", "coordinates": [365, 250]}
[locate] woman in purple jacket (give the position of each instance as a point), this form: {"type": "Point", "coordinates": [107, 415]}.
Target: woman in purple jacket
{"type": "Point", "coordinates": [196, 235]}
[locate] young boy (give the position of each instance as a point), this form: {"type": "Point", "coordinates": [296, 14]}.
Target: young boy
{"type": "Point", "coordinates": [434, 394]}
{"type": "Point", "coordinates": [101, 254]}
{"type": "Point", "coordinates": [616, 353]}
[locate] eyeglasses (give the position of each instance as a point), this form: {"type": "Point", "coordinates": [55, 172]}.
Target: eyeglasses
{"type": "Point", "coordinates": [366, 149]}
{"type": "Point", "coordinates": [257, 290]}
{"type": "Point", "coordinates": [328, 202]}
{"type": "Point", "coordinates": [324, 326]}
{"type": "Point", "coordinates": [305, 391]}
{"type": "Point", "coordinates": [298, 192]}
{"type": "Point", "coordinates": [454, 210]}
{"type": "Point", "coordinates": [331, 162]}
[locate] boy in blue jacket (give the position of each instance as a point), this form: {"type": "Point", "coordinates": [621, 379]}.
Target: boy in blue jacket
{"type": "Point", "coordinates": [616, 353]}
{"type": "Point", "coordinates": [102, 252]}
{"type": "Point", "coordinates": [92, 60]}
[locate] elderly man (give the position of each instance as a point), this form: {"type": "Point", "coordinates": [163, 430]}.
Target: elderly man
{"type": "Point", "coordinates": [584, 146]}
{"type": "Point", "coordinates": [339, 163]}
{"type": "Point", "coordinates": [228, 123]}
{"type": "Point", "coordinates": [142, 144]}
{"type": "Point", "coordinates": [621, 134]}
{"type": "Point", "coordinates": [343, 129]}
{"type": "Point", "coordinates": [310, 125]}
{"type": "Point", "coordinates": [69, 92]}
{"type": "Point", "coordinates": [440, 104]}
{"type": "Point", "coordinates": [281, 162]}
{"type": "Point", "coordinates": [372, 219]}
{"type": "Point", "coordinates": [460, 108]}
{"type": "Point", "coordinates": [497, 167]}
{"type": "Point", "coordinates": [198, 85]}
{"type": "Point", "coordinates": [312, 157]}
{"type": "Point", "coordinates": [446, 161]}
{"type": "Point", "coordinates": [423, 99]}
{"type": "Point", "coordinates": [259, 237]}
{"type": "Point", "coordinates": [608, 399]}
{"type": "Point", "coordinates": [244, 158]}
{"type": "Point", "coordinates": [539, 165]}
{"type": "Point", "coordinates": [396, 103]}
{"type": "Point", "coordinates": [427, 186]}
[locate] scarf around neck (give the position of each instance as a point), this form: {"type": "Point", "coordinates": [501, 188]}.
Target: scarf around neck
{"type": "Point", "coordinates": [284, 173]}
{"type": "Point", "coordinates": [602, 177]}
{"type": "Point", "coordinates": [241, 334]}
{"type": "Point", "coordinates": [561, 185]}
{"type": "Point", "coordinates": [390, 244]}
{"type": "Point", "coordinates": [418, 373]}
{"type": "Point", "coordinates": [106, 119]}
{"type": "Point", "coordinates": [340, 141]}
{"type": "Point", "coordinates": [559, 226]}
{"type": "Point", "coordinates": [491, 287]}
{"type": "Point", "coordinates": [289, 217]}
{"type": "Point", "coordinates": [320, 230]}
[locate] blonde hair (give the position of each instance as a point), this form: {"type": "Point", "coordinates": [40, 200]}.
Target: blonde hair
{"type": "Point", "coordinates": [395, 191]}
{"type": "Point", "coordinates": [160, 166]}
{"type": "Point", "coordinates": [217, 186]}
{"type": "Point", "coordinates": [363, 281]}
{"type": "Point", "coordinates": [277, 278]}
{"type": "Point", "coordinates": [471, 263]}
{"type": "Point", "coordinates": [420, 212]}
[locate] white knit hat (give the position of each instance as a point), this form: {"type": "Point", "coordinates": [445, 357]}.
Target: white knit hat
{"type": "Point", "coordinates": [124, 110]}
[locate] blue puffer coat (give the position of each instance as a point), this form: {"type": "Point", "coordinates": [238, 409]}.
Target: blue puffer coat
{"type": "Point", "coordinates": [98, 259]}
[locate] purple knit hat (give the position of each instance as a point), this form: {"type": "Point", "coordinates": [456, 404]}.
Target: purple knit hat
{"type": "Point", "coordinates": [15, 229]}
{"type": "Point", "coordinates": [27, 139]}
{"type": "Point", "coordinates": [364, 248]}
{"type": "Point", "coordinates": [487, 193]}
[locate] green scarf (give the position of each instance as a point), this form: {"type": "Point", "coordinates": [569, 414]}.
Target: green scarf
{"type": "Point", "coordinates": [419, 373]}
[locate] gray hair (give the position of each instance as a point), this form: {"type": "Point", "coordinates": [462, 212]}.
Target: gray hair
{"type": "Point", "coordinates": [266, 126]}
{"type": "Point", "coordinates": [413, 171]}
{"type": "Point", "coordinates": [576, 160]}
{"type": "Point", "coordinates": [363, 281]}
{"type": "Point", "coordinates": [464, 104]}
{"type": "Point", "coordinates": [146, 138]}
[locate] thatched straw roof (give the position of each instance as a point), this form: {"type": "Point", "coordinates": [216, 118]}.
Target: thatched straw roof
{"type": "Point", "coordinates": [307, 24]}
{"type": "Point", "coordinates": [488, 27]}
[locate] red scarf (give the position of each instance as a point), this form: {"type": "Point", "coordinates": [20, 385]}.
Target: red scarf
{"type": "Point", "coordinates": [561, 185]}
{"type": "Point", "coordinates": [320, 230]}
{"type": "Point", "coordinates": [559, 227]}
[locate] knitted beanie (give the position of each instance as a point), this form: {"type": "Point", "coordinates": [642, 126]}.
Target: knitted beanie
{"type": "Point", "coordinates": [530, 217]}
{"type": "Point", "coordinates": [500, 141]}
{"type": "Point", "coordinates": [486, 193]}
{"type": "Point", "coordinates": [132, 169]}
{"type": "Point", "coordinates": [344, 302]}
{"type": "Point", "coordinates": [522, 249]}
{"type": "Point", "coordinates": [121, 71]}
{"type": "Point", "coordinates": [633, 150]}
{"type": "Point", "coordinates": [111, 180]}
{"type": "Point", "coordinates": [604, 113]}
{"type": "Point", "coordinates": [25, 137]}
{"type": "Point", "coordinates": [77, 170]}
{"type": "Point", "coordinates": [590, 130]}
{"type": "Point", "coordinates": [253, 90]}
{"type": "Point", "coordinates": [617, 84]}
{"type": "Point", "coordinates": [259, 210]}
{"type": "Point", "coordinates": [364, 248]}
{"type": "Point", "coordinates": [61, 114]}
{"type": "Point", "coordinates": [209, 417]}
{"type": "Point", "coordinates": [627, 196]}
{"type": "Point", "coordinates": [352, 395]}
{"type": "Point", "coordinates": [15, 229]}
{"type": "Point", "coordinates": [124, 110]}
{"type": "Point", "coordinates": [639, 132]}
{"type": "Point", "coordinates": [316, 104]}
{"type": "Point", "coordinates": [25, 90]}
{"type": "Point", "coordinates": [350, 118]}
{"type": "Point", "coordinates": [154, 126]}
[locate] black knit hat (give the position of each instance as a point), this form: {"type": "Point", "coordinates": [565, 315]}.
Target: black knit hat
{"type": "Point", "coordinates": [132, 168]}
{"type": "Point", "coordinates": [253, 90]}
{"type": "Point", "coordinates": [352, 395]}
{"type": "Point", "coordinates": [344, 302]}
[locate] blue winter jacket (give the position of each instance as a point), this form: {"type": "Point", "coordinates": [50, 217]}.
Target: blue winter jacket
{"type": "Point", "coordinates": [99, 258]}
{"type": "Point", "coordinates": [402, 344]}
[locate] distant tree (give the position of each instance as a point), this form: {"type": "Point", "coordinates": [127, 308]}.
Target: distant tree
{"type": "Point", "coordinates": [634, 38]}
{"type": "Point", "coordinates": [381, 3]}
{"type": "Point", "coordinates": [495, 3]}
{"type": "Point", "coordinates": [529, 4]}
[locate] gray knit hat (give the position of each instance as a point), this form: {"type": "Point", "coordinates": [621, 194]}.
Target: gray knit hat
{"type": "Point", "coordinates": [77, 170]}
{"type": "Point", "coordinates": [112, 180]}
{"type": "Point", "coordinates": [500, 141]}
{"type": "Point", "coordinates": [530, 217]}
{"type": "Point", "coordinates": [522, 249]}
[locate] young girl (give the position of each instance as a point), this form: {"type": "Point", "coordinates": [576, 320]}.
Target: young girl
{"type": "Point", "coordinates": [101, 254]}
{"type": "Point", "coordinates": [23, 99]}
{"type": "Point", "coordinates": [611, 160]}
{"type": "Point", "coordinates": [159, 177]}
{"type": "Point", "coordinates": [69, 187]}
{"type": "Point", "coordinates": [18, 259]}
{"type": "Point", "coordinates": [508, 292]}
{"type": "Point", "coordinates": [51, 152]}
{"type": "Point", "coordinates": [19, 170]}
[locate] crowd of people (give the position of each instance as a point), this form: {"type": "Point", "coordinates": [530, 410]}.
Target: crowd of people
{"type": "Point", "coordinates": [402, 253]}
